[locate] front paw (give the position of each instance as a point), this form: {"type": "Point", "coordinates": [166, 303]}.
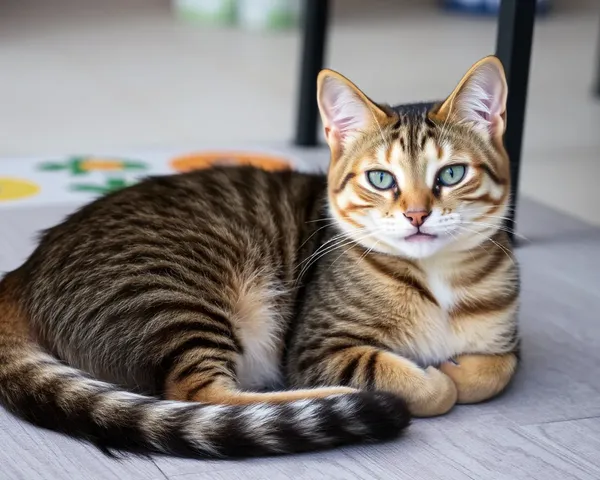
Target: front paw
{"type": "Point", "coordinates": [480, 377]}
{"type": "Point", "coordinates": [435, 396]}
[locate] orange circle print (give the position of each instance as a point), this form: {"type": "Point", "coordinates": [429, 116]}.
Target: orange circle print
{"type": "Point", "coordinates": [197, 161]}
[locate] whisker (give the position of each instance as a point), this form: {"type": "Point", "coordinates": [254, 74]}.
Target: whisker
{"type": "Point", "coordinates": [323, 249]}
{"type": "Point", "coordinates": [504, 249]}
{"type": "Point", "coordinates": [324, 219]}
{"type": "Point", "coordinates": [315, 258]}
{"type": "Point", "coordinates": [351, 247]}
{"type": "Point", "coordinates": [313, 234]}
{"type": "Point", "coordinates": [332, 239]}
{"type": "Point", "coordinates": [455, 238]}
{"type": "Point", "coordinates": [470, 209]}
{"type": "Point", "coordinates": [499, 227]}
{"type": "Point", "coordinates": [368, 251]}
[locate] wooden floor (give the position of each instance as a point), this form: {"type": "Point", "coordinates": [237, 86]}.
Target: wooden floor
{"type": "Point", "coordinates": [547, 426]}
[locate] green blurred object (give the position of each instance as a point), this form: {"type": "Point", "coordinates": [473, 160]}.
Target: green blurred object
{"type": "Point", "coordinates": [206, 12]}
{"type": "Point", "coordinates": [110, 185]}
{"type": "Point", "coordinates": [83, 165]}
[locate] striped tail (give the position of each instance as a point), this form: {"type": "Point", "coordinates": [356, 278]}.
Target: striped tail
{"type": "Point", "coordinates": [41, 390]}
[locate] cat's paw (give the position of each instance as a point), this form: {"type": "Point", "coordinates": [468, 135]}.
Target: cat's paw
{"type": "Point", "coordinates": [435, 397]}
{"type": "Point", "coordinates": [480, 377]}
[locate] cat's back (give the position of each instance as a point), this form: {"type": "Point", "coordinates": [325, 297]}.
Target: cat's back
{"type": "Point", "coordinates": [231, 201]}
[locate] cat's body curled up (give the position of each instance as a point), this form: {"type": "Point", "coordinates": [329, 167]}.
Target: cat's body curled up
{"type": "Point", "coordinates": [153, 319]}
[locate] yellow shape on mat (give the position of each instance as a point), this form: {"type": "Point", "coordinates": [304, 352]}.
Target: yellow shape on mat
{"type": "Point", "coordinates": [16, 188]}
{"type": "Point", "coordinates": [197, 161]}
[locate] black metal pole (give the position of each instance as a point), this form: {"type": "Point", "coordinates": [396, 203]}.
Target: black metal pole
{"type": "Point", "coordinates": [513, 47]}
{"type": "Point", "coordinates": [313, 47]}
{"type": "Point", "coordinates": [597, 79]}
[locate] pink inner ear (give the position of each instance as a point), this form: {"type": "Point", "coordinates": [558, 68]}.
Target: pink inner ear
{"type": "Point", "coordinates": [481, 101]}
{"type": "Point", "coordinates": [345, 112]}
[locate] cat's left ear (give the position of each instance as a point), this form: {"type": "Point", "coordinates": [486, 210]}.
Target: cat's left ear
{"type": "Point", "coordinates": [346, 112]}
{"type": "Point", "coordinates": [479, 99]}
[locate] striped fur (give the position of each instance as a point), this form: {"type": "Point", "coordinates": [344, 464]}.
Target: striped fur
{"type": "Point", "coordinates": [163, 317]}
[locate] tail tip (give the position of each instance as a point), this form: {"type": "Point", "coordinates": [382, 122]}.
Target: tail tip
{"type": "Point", "coordinates": [386, 413]}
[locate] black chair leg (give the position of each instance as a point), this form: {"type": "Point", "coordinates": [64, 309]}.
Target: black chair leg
{"type": "Point", "coordinates": [513, 47]}
{"type": "Point", "coordinates": [597, 79]}
{"type": "Point", "coordinates": [313, 47]}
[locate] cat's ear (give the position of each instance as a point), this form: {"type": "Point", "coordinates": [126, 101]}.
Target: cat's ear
{"type": "Point", "coordinates": [345, 110]}
{"type": "Point", "coordinates": [479, 99]}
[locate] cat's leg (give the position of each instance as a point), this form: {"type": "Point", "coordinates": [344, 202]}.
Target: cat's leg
{"type": "Point", "coordinates": [210, 377]}
{"type": "Point", "coordinates": [480, 377]}
{"type": "Point", "coordinates": [428, 392]}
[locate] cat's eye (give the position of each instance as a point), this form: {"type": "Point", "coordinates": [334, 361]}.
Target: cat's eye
{"type": "Point", "coordinates": [451, 175]}
{"type": "Point", "coordinates": [381, 179]}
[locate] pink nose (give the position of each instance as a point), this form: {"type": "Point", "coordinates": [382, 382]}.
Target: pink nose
{"type": "Point", "coordinates": [417, 218]}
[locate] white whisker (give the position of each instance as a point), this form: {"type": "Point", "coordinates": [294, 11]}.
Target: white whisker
{"type": "Point", "coordinates": [504, 249]}
{"type": "Point", "coordinates": [351, 247]}
{"type": "Point", "coordinates": [321, 219]}
{"type": "Point", "coordinates": [498, 227]}
{"type": "Point", "coordinates": [314, 233]}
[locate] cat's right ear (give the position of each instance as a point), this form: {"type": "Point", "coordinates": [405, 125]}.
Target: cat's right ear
{"type": "Point", "coordinates": [346, 112]}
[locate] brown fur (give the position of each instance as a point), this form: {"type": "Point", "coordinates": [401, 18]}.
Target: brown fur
{"type": "Point", "coordinates": [212, 286]}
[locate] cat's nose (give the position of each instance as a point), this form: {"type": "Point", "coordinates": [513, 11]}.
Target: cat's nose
{"type": "Point", "coordinates": [417, 217]}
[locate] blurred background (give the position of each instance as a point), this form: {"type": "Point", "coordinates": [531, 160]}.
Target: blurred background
{"type": "Point", "coordinates": [89, 75]}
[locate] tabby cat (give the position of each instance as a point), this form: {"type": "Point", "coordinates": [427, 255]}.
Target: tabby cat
{"type": "Point", "coordinates": [161, 318]}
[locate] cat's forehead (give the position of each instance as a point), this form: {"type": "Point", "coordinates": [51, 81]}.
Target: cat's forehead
{"type": "Point", "coordinates": [408, 137]}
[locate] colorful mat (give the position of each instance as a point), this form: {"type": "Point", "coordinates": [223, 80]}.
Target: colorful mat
{"type": "Point", "coordinates": [79, 179]}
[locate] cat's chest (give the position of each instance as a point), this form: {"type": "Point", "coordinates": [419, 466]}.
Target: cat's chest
{"type": "Point", "coordinates": [432, 336]}
{"type": "Point", "coordinates": [442, 291]}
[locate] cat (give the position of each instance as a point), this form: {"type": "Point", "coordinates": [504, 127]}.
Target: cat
{"type": "Point", "coordinates": [160, 317]}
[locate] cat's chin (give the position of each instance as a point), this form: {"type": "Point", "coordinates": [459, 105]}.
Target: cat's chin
{"type": "Point", "coordinates": [423, 248]}
{"type": "Point", "coordinates": [414, 248]}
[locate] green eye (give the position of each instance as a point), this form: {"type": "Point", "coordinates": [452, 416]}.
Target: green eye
{"type": "Point", "coordinates": [381, 179]}
{"type": "Point", "coordinates": [451, 175]}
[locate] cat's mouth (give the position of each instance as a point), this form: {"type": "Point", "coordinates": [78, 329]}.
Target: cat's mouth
{"type": "Point", "coordinates": [420, 237]}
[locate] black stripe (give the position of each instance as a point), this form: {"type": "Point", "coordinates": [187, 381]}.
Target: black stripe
{"type": "Point", "coordinates": [169, 360]}
{"type": "Point", "coordinates": [370, 370]}
{"type": "Point", "coordinates": [360, 339]}
{"type": "Point", "coordinates": [419, 287]}
{"type": "Point", "coordinates": [193, 391]}
{"type": "Point", "coordinates": [408, 279]}
{"type": "Point", "coordinates": [347, 374]}
{"type": "Point", "coordinates": [319, 354]}
{"type": "Point", "coordinates": [179, 329]}
{"type": "Point", "coordinates": [345, 181]}
{"type": "Point", "coordinates": [176, 305]}
{"type": "Point", "coordinates": [113, 301]}
{"type": "Point", "coordinates": [170, 272]}
{"type": "Point", "coordinates": [398, 123]}
{"type": "Point", "coordinates": [491, 174]}
{"type": "Point", "coordinates": [195, 369]}
{"type": "Point", "coordinates": [483, 306]}
{"type": "Point", "coordinates": [229, 363]}
{"type": "Point", "coordinates": [201, 367]}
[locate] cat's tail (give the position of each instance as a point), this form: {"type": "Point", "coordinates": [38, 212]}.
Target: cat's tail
{"type": "Point", "coordinates": [37, 387]}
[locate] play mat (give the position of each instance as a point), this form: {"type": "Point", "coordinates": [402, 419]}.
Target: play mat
{"type": "Point", "coordinates": [78, 179]}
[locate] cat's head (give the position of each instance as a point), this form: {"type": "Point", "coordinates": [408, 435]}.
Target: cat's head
{"type": "Point", "coordinates": [415, 183]}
